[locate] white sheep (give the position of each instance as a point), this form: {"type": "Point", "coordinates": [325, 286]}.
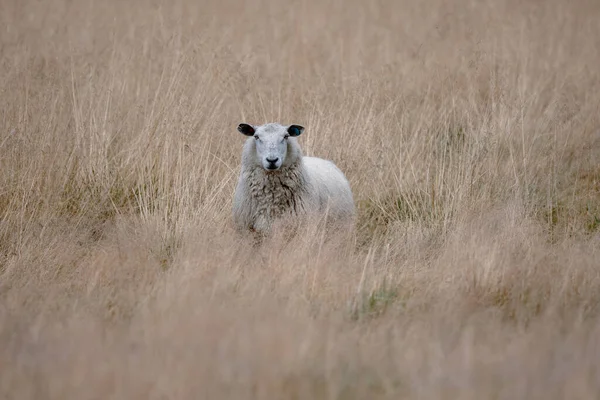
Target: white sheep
{"type": "Point", "coordinates": [276, 181]}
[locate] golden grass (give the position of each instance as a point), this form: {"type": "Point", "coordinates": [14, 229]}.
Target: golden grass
{"type": "Point", "coordinates": [469, 131]}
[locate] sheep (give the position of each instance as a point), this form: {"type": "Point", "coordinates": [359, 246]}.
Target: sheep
{"type": "Point", "coordinates": [277, 181]}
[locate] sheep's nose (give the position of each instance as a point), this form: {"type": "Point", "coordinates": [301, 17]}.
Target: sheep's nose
{"type": "Point", "coordinates": [272, 160]}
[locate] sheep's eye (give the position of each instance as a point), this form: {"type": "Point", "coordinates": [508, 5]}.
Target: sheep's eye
{"type": "Point", "coordinates": [256, 137]}
{"type": "Point", "coordinates": [286, 136]}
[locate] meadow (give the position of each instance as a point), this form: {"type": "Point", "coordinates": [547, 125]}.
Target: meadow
{"type": "Point", "coordinates": [469, 132]}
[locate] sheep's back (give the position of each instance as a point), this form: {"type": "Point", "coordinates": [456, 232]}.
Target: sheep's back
{"type": "Point", "coordinates": [329, 184]}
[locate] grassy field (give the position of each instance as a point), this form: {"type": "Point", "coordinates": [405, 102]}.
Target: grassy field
{"type": "Point", "coordinates": [469, 131]}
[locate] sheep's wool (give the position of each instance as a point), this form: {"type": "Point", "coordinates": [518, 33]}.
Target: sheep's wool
{"type": "Point", "coordinates": [275, 195]}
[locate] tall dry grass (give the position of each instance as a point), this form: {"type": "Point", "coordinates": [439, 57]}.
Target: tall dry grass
{"type": "Point", "coordinates": [470, 133]}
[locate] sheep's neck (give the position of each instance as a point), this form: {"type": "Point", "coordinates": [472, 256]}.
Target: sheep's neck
{"type": "Point", "coordinates": [277, 194]}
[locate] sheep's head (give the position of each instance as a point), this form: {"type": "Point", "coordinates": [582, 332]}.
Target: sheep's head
{"type": "Point", "coordinates": [272, 144]}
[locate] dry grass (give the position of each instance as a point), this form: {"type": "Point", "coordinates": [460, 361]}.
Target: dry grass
{"type": "Point", "coordinates": [470, 132]}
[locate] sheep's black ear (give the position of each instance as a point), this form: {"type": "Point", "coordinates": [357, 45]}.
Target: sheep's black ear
{"type": "Point", "coordinates": [295, 130]}
{"type": "Point", "coordinates": [246, 129]}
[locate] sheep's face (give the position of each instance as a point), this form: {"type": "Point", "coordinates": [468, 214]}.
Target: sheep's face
{"type": "Point", "coordinates": [271, 143]}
